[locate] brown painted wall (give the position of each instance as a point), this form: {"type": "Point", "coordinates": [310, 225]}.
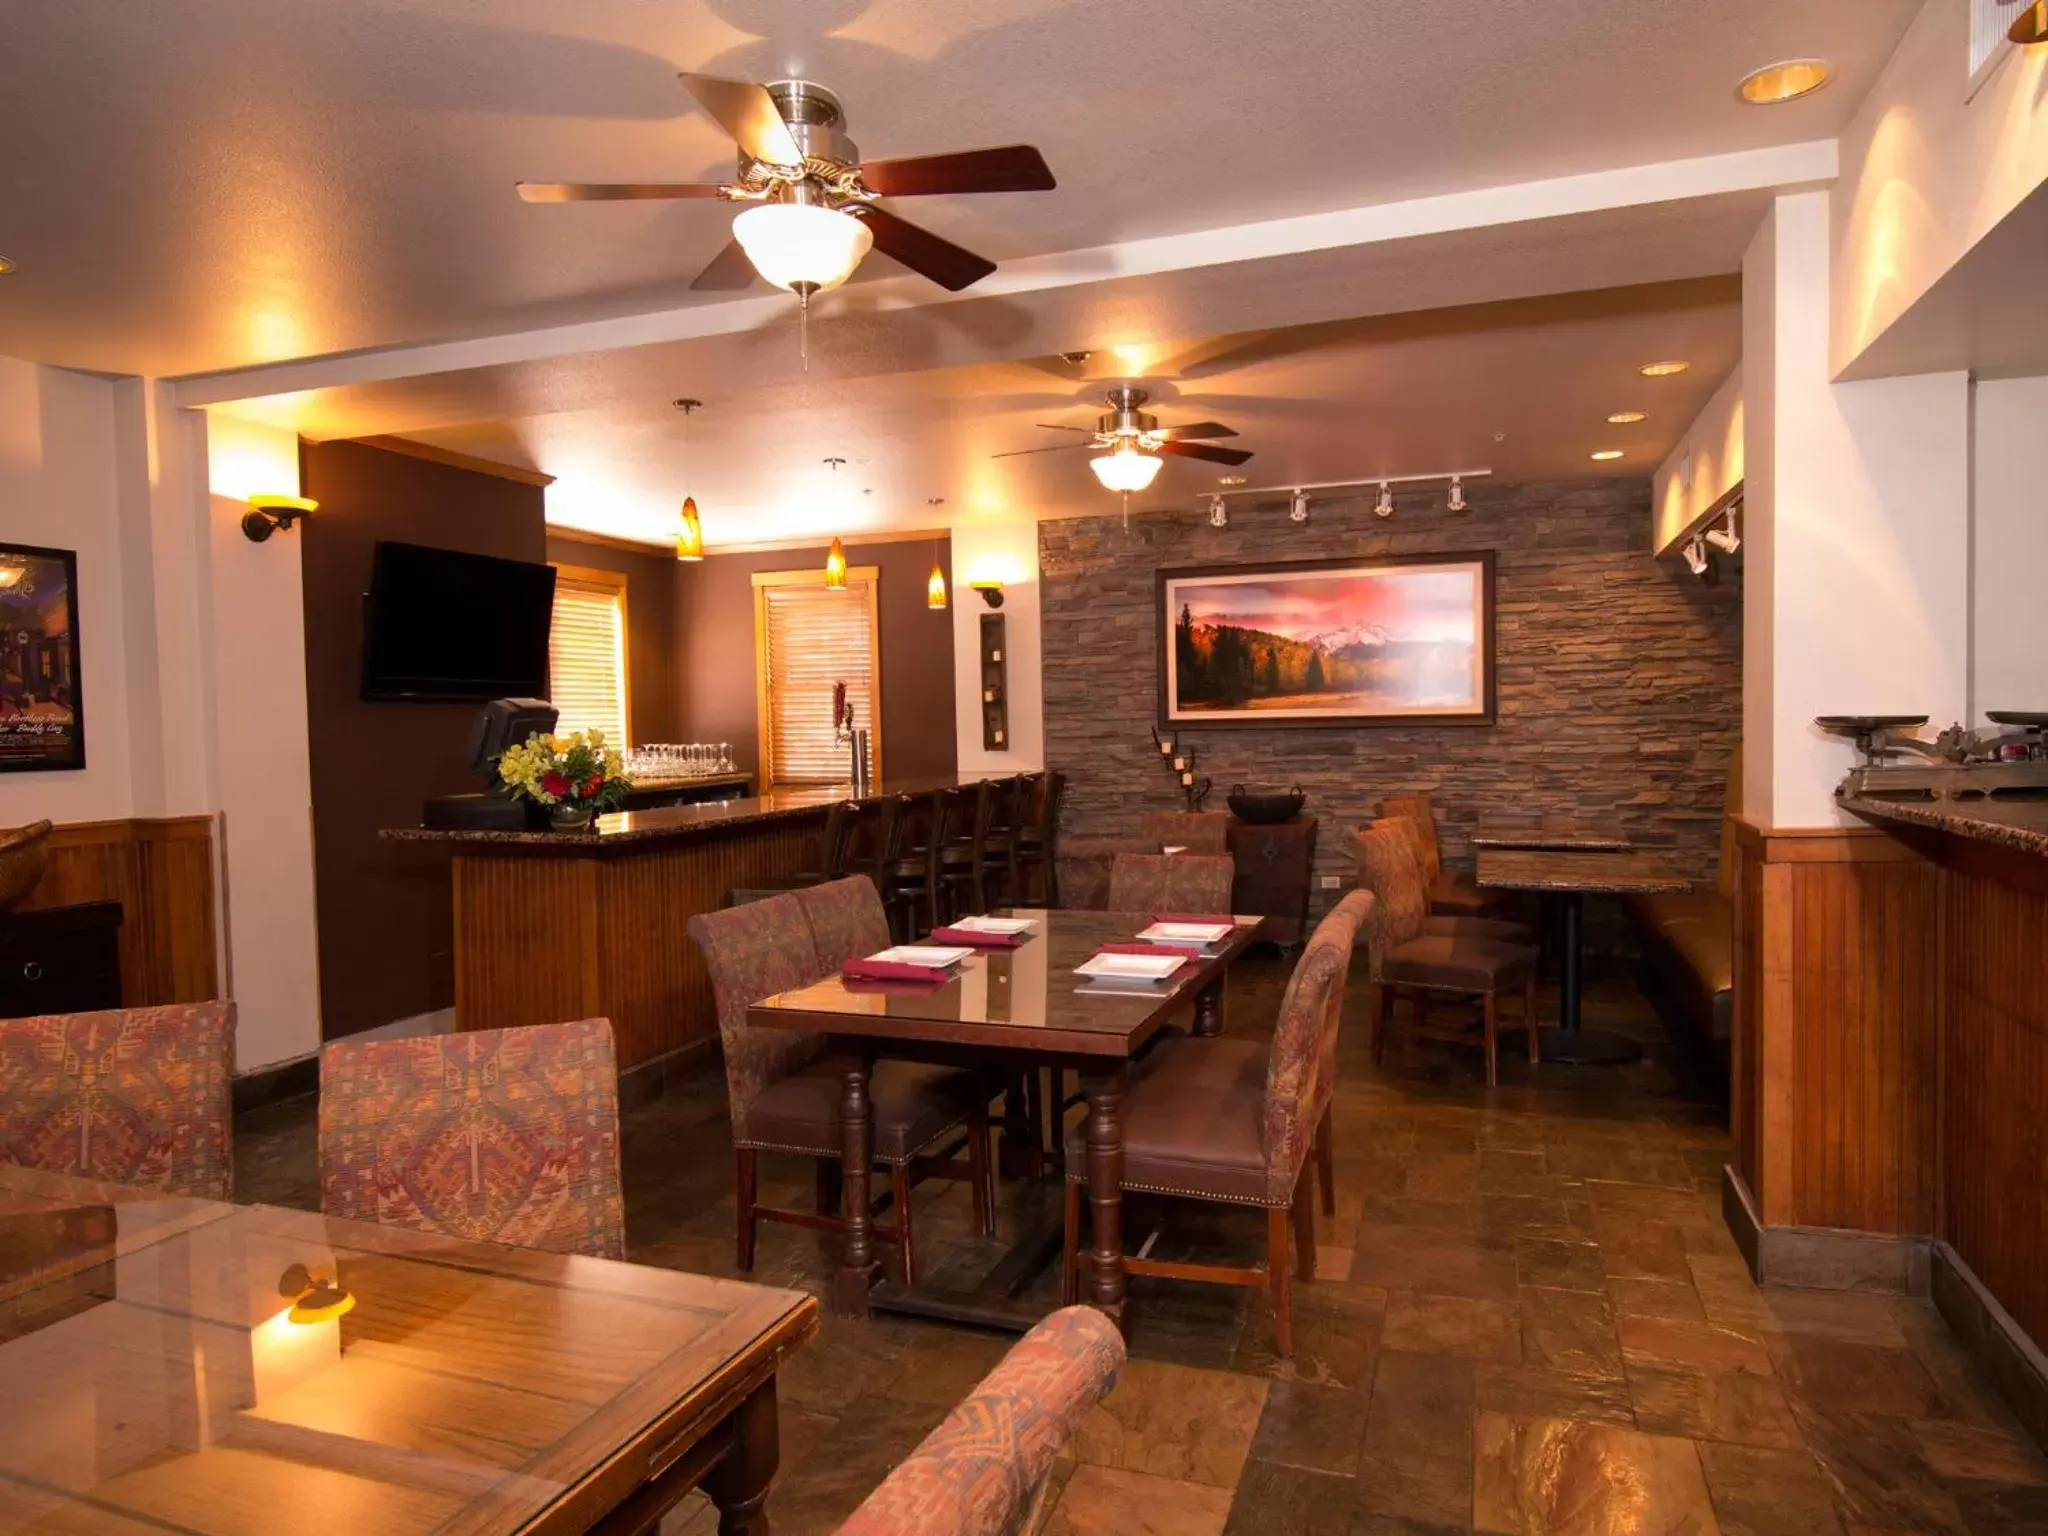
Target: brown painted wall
{"type": "Point", "coordinates": [386, 925]}
{"type": "Point", "coordinates": [650, 629]}
{"type": "Point", "coordinates": [715, 665]}
{"type": "Point", "coordinates": [1620, 675]}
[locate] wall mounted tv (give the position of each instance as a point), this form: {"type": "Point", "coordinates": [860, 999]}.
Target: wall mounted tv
{"type": "Point", "coordinates": [442, 624]}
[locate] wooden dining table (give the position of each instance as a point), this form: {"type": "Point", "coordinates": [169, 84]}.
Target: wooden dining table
{"type": "Point", "coordinates": [1010, 1010]}
{"type": "Point", "coordinates": [162, 1372]}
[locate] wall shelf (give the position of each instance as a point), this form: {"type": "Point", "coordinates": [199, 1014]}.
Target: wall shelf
{"type": "Point", "coordinates": [995, 685]}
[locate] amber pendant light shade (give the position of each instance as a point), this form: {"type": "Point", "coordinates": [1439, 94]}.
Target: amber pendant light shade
{"type": "Point", "coordinates": [690, 541]}
{"type": "Point", "coordinates": [835, 567]}
{"type": "Point", "coordinates": [2030, 27]}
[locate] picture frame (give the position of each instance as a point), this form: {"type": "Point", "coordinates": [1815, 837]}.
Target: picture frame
{"type": "Point", "coordinates": [42, 701]}
{"type": "Point", "coordinates": [1351, 641]}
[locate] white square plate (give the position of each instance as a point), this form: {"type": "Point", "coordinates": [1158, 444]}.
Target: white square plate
{"type": "Point", "coordinates": [1129, 967]}
{"type": "Point", "coordinates": [995, 924]}
{"type": "Point", "coordinates": [1188, 933]}
{"type": "Point", "coordinates": [932, 956]}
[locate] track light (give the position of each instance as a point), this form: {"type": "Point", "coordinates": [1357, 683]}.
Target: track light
{"type": "Point", "coordinates": [1297, 508]}
{"type": "Point", "coordinates": [1456, 501]}
{"type": "Point", "coordinates": [1219, 515]}
{"type": "Point", "coordinates": [1384, 507]}
{"type": "Point", "coordinates": [1696, 556]}
{"type": "Point", "coordinates": [1727, 539]}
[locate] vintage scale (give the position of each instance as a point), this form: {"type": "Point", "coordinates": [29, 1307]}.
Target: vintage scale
{"type": "Point", "coordinates": [1956, 765]}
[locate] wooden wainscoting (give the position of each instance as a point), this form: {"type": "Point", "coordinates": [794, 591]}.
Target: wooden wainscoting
{"type": "Point", "coordinates": [1837, 1027]}
{"type": "Point", "coordinates": [161, 871]}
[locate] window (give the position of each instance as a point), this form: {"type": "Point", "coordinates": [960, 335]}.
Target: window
{"type": "Point", "coordinates": [587, 653]}
{"type": "Point", "coordinates": [807, 638]}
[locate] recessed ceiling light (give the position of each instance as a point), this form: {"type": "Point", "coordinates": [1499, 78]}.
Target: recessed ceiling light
{"type": "Point", "coordinates": [1605, 454]}
{"type": "Point", "coordinates": [1787, 81]}
{"type": "Point", "coordinates": [1662, 370]}
{"type": "Point", "coordinates": [1626, 418]}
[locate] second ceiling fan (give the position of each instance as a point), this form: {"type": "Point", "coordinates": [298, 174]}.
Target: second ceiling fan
{"type": "Point", "coordinates": [813, 212]}
{"type": "Point", "coordinates": [1128, 442]}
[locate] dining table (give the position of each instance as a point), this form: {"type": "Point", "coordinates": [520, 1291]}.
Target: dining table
{"type": "Point", "coordinates": [1569, 875]}
{"type": "Point", "coordinates": [1007, 1011]}
{"type": "Point", "coordinates": [1558, 834]}
{"type": "Point", "coordinates": [175, 1364]}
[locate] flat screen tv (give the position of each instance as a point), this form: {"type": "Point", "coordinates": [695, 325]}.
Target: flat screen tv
{"type": "Point", "coordinates": [441, 624]}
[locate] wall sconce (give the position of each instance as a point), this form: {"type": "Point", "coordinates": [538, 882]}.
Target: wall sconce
{"type": "Point", "coordinates": [267, 514]}
{"type": "Point", "coordinates": [835, 567]}
{"type": "Point", "coordinates": [991, 592]}
{"type": "Point", "coordinates": [314, 1300]}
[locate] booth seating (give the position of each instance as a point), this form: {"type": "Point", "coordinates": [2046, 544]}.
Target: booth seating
{"type": "Point", "coordinates": [1688, 946]}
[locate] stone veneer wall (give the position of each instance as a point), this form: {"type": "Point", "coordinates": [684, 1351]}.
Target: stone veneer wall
{"type": "Point", "coordinates": [1619, 675]}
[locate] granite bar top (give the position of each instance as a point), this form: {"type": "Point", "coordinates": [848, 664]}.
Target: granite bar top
{"type": "Point", "coordinates": [1620, 874]}
{"type": "Point", "coordinates": [2021, 824]}
{"type": "Point", "coordinates": [626, 829]}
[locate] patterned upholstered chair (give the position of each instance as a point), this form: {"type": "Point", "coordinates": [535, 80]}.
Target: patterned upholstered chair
{"type": "Point", "coordinates": [1410, 959]}
{"type": "Point", "coordinates": [1171, 882]}
{"type": "Point", "coordinates": [493, 1135]}
{"type": "Point", "coordinates": [785, 1098]}
{"type": "Point", "coordinates": [1234, 1121]}
{"type": "Point", "coordinates": [983, 1472]}
{"type": "Point", "coordinates": [130, 1095]}
{"type": "Point", "coordinates": [1194, 831]}
{"type": "Point", "coordinates": [1449, 895]}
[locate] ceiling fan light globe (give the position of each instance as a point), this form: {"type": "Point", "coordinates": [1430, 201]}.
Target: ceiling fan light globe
{"type": "Point", "coordinates": [802, 247]}
{"type": "Point", "coordinates": [1126, 469]}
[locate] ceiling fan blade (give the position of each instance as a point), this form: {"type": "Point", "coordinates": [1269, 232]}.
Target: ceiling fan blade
{"type": "Point", "coordinates": [747, 112]}
{"type": "Point", "coordinates": [1204, 451]}
{"type": "Point", "coordinates": [729, 269]}
{"type": "Point", "coordinates": [948, 265]}
{"type": "Point", "coordinates": [615, 192]}
{"type": "Point", "coordinates": [1199, 429]}
{"type": "Point", "coordinates": [1018, 453]}
{"type": "Point", "coordinates": [1052, 426]}
{"type": "Point", "coordinates": [1012, 168]}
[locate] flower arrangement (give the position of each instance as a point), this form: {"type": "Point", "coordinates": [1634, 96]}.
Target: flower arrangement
{"type": "Point", "coordinates": [573, 777]}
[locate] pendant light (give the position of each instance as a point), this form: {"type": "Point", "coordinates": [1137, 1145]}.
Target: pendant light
{"type": "Point", "coordinates": [935, 584]}
{"type": "Point", "coordinates": [835, 557]}
{"type": "Point", "coordinates": [690, 539]}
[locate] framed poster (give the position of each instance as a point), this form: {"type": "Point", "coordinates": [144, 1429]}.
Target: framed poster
{"type": "Point", "coordinates": [1329, 642]}
{"type": "Point", "coordinates": [42, 713]}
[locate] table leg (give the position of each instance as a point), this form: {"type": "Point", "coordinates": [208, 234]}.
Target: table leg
{"type": "Point", "coordinates": [1569, 1043]}
{"type": "Point", "coordinates": [1209, 1007]}
{"type": "Point", "coordinates": [1571, 914]}
{"type": "Point", "coordinates": [856, 1152]}
{"type": "Point", "coordinates": [1105, 1191]}
{"type": "Point", "coordinates": [738, 1485]}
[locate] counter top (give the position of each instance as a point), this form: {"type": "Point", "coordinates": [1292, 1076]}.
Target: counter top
{"type": "Point", "coordinates": [627, 828]}
{"type": "Point", "coordinates": [1567, 870]}
{"type": "Point", "coordinates": [2021, 824]}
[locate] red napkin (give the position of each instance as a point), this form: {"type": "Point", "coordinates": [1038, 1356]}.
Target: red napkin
{"type": "Point", "coordinates": [887, 970]}
{"type": "Point", "coordinates": [975, 938]}
{"type": "Point", "coordinates": [1145, 949]}
{"type": "Point", "coordinates": [1194, 917]}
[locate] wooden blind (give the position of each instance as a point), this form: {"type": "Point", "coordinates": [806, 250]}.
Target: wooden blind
{"type": "Point", "coordinates": [587, 653]}
{"type": "Point", "coordinates": [808, 638]}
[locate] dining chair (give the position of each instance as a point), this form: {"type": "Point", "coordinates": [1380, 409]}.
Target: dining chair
{"type": "Point", "coordinates": [986, 1469]}
{"type": "Point", "coordinates": [1449, 895]}
{"type": "Point", "coordinates": [1038, 843]}
{"type": "Point", "coordinates": [784, 1096]}
{"type": "Point", "coordinates": [1234, 1122]}
{"type": "Point", "coordinates": [1171, 882]}
{"type": "Point", "coordinates": [1408, 959]}
{"type": "Point", "coordinates": [491, 1135]}
{"type": "Point", "coordinates": [129, 1095]}
{"type": "Point", "coordinates": [835, 842]}
{"type": "Point", "coordinates": [1195, 831]}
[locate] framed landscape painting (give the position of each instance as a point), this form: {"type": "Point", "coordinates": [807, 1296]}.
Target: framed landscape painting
{"type": "Point", "coordinates": [42, 717]}
{"type": "Point", "coordinates": [1329, 642]}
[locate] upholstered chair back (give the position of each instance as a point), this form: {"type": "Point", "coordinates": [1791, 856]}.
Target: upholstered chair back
{"type": "Point", "coordinates": [847, 920]}
{"type": "Point", "coordinates": [984, 1470]}
{"type": "Point", "coordinates": [1171, 882]}
{"type": "Point", "coordinates": [1196, 831]}
{"type": "Point", "coordinates": [1389, 868]}
{"type": "Point", "coordinates": [129, 1095]}
{"type": "Point", "coordinates": [1422, 815]}
{"type": "Point", "coordinates": [1301, 1069]}
{"type": "Point", "coordinates": [751, 952]}
{"type": "Point", "coordinates": [493, 1135]}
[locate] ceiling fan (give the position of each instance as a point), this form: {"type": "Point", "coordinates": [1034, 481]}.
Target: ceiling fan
{"type": "Point", "coordinates": [1128, 442]}
{"type": "Point", "coordinates": [814, 213]}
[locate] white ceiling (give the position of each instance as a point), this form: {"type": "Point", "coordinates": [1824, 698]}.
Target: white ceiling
{"type": "Point", "coordinates": [219, 183]}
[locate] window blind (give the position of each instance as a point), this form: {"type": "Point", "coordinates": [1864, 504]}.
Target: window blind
{"type": "Point", "coordinates": [587, 656]}
{"type": "Point", "coordinates": [811, 639]}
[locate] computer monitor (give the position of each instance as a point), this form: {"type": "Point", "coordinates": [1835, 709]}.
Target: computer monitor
{"type": "Point", "coordinates": [505, 723]}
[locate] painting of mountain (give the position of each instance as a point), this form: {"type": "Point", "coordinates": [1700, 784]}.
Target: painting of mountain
{"type": "Point", "coordinates": [1329, 642]}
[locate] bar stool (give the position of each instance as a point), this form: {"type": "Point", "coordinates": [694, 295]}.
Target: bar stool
{"type": "Point", "coordinates": [835, 844]}
{"type": "Point", "coordinates": [963, 863]}
{"type": "Point", "coordinates": [1037, 839]}
{"type": "Point", "coordinates": [914, 877]}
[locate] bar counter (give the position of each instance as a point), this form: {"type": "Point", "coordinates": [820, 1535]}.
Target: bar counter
{"type": "Point", "coordinates": [554, 926]}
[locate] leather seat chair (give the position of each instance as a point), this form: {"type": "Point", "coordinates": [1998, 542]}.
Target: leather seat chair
{"type": "Point", "coordinates": [785, 1098]}
{"type": "Point", "coordinates": [1449, 895]}
{"type": "Point", "coordinates": [1408, 960]}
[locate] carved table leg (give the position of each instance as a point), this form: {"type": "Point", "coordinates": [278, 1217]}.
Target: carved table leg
{"type": "Point", "coordinates": [1209, 1008]}
{"type": "Point", "coordinates": [857, 1142]}
{"type": "Point", "coordinates": [738, 1485]}
{"type": "Point", "coordinates": [1105, 1191]}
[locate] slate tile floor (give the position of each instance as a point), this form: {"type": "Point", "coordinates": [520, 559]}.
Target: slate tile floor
{"type": "Point", "coordinates": [1527, 1318]}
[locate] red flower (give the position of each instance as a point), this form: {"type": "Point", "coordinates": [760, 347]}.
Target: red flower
{"type": "Point", "coordinates": [590, 789]}
{"type": "Point", "coordinates": [555, 782]}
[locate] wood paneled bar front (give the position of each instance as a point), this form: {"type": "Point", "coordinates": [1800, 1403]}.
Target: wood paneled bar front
{"type": "Point", "coordinates": [552, 925]}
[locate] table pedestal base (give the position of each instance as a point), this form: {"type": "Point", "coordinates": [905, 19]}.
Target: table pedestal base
{"type": "Point", "coordinates": [1584, 1047]}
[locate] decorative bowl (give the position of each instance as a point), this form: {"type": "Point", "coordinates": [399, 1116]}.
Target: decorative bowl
{"type": "Point", "coordinates": [24, 854]}
{"type": "Point", "coordinates": [1266, 805]}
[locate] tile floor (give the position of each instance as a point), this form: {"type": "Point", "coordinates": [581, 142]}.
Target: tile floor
{"type": "Point", "coordinates": [1527, 1318]}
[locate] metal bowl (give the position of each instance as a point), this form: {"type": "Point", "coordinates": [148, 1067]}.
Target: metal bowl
{"type": "Point", "coordinates": [24, 853]}
{"type": "Point", "coordinates": [1266, 805]}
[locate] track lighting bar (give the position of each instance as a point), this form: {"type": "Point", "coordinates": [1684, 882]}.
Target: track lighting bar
{"type": "Point", "coordinates": [1371, 482]}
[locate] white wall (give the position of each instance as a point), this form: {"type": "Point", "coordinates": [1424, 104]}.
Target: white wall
{"type": "Point", "coordinates": [58, 490]}
{"type": "Point", "coordinates": [1705, 466]}
{"type": "Point", "coordinates": [1865, 533]}
{"type": "Point", "coordinates": [2009, 637]}
{"type": "Point", "coordinates": [1005, 552]}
